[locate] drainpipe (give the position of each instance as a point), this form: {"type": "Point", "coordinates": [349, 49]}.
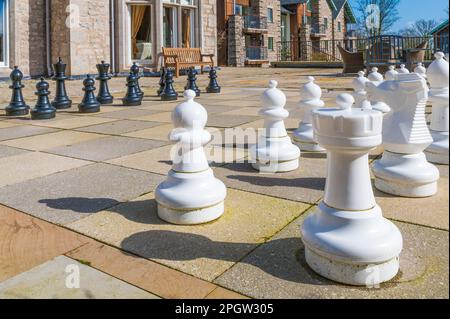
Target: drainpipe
{"type": "Point", "coordinates": [112, 13]}
{"type": "Point", "coordinates": [48, 37]}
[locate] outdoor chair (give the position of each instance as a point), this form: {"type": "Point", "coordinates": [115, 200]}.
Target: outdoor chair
{"type": "Point", "coordinates": [353, 61]}
{"type": "Point", "coordinates": [415, 55]}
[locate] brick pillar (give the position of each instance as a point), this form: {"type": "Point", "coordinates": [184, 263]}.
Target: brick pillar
{"type": "Point", "coordinates": [236, 41]}
{"type": "Point", "coordinates": [305, 53]}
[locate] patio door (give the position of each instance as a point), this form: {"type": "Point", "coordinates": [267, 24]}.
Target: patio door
{"type": "Point", "coordinates": [4, 32]}
{"type": "Point", "coordinates": [141, 33]}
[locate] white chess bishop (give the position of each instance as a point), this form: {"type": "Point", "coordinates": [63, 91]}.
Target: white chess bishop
{"type": "Point", "coordinates": [403, 69]}
{"type": "Point", "coordinates": [377, 78]}
{"type": "Point", "coordinates": [274, 151]}
{"type": "Point", "coordinates": [391, 73]}
{"type": "Point", "coordinates": [438, 73]}
{"type": "Point", "coordinates": [359, 89]}
{"type": "Point", "coordinates": [421, 70]}
{"type": "Point", "coordinates": [403, 169]}
{"type": "Point", "coordinates": [303, 137]}
{"type": "Point", "coordinates": [191, 194]}
{"type": "Point", "coordinates": [347, 239]}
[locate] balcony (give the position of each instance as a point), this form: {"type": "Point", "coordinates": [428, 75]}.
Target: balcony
{"type": "Point", "coordinates": [318, 30]}
{"type": "Point", "coordinates": [256, 55]}
{"type": "Point", "coordinates": [255, 24]}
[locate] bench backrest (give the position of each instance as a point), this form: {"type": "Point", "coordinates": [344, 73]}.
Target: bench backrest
{"type": "Point", "coordinates": [185, 55]}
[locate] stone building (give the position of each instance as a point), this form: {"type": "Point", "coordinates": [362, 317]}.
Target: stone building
{"type": "Point", "coordinates": [34, 33]}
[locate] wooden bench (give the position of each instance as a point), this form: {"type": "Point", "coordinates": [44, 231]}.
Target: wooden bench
{"type": "Point", "coordinates": [182, 58]}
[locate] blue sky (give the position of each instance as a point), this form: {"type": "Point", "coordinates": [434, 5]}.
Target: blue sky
{"type": "Point", "coordinates": [412, 10]}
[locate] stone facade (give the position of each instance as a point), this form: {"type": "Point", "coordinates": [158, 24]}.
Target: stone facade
{"type": "Point", "coordinates": [236, 42]}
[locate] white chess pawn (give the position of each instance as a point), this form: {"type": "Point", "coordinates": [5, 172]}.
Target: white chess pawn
{"type": "Point", "coordinates": [347, 239]}
{"type": "Point", "coordinates": [359, 87]}
{"type": "Point", "coordinates": [421, 70]}
{"type": "Point", "coordinates": [191, 194]}
{"type": "Point", "coordinates": [304, 135]}
{"type": "Point", "coordinates": [377, 78]}
{"type": "Point", "coordinates": [403, 169]}
{"type": "Point", "coordinates": [403, 69]}
{"type": "Point", "coordinates": [438, 73]}
{"type": "Point", "coordinates": [390, 75]}
{"type": "Point", "coordinates": [274, 151]}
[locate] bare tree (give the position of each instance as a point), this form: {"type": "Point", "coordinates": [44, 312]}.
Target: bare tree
{"type": "Point", "coordinates": [377, 16]}
{"type": "Point", "coordinates": [419, 28]}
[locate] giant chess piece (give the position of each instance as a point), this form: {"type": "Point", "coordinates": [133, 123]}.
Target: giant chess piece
{"type": "Point", "coordinates": [43, 109]}
{"type": "Point", "coordinates": [17, 105]}
{"type": "Point", "coordinates": [347, 239]}
{"type": "Point", "coordinates": [391, 74]}
{"type": "Point", "coordinates": [421, 70]}
{"type": "Point", "coordinates": [359, 87]}
{"type": "Point", "coordinates": [213, 86]}
{"type": "Point", "coordinates": [104, 96]}
{"type": "Point", "coordinates": [304, 136]}
{"type": "Point", "coordinates": [169, 94]}
{"type": "Point", "coordinates": [162, 81]}
{"type": "Point", "coordinates": [192, 81]}
{"type": "Point", "coordinates": [403, 169]}
{"type": "Point", "coordinates": [403, 69]}
{"type": "Point", "coordinates": [61, 100]}
{"type": "Point", "coordinates": [135, 70]}
{"type": "Point", "coordinates": [132, 98]}
{"type": "Point", "coordinates": [377, 78]}
{"type": "Point", "coordinates": [274, 151]}
{"type": "Point", "coordinates": [437, 75]}
{"type": "Point", "coordinates": [89, 104]}
{"type": "Point", "coordinates": [191, 194]}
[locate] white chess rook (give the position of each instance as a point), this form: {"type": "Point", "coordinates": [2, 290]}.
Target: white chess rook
{"type": "Point", "coordinates": [377, 78]}
{"type": "Point", "coordinates": [304, 136]}
{"type": "Point", "coordinates": [359, 88]}
{"type": "Point", "coordinates": [191, 194]}
{"type": "Point", "coordinates": [438, 73]}
{"type": "Point", "coordinates": [274, 151]}
{"type": "Point", "coordinates": [403, 169]}
{"type": "Point", "coordinates": [347, 239]}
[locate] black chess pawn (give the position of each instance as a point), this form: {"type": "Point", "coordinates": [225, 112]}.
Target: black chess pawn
{"type": "Point", "coordinates": [61, 100]}
{"type": "Point", "coordinates": [162, 81]}
{"type": "Point", "coordinates": [104, 96]}
{"type": "Point", "coordinates": [43, 109]}
{"type": "Point", "coordinates": [135, 70]}
{"type": "Point", "coordinates": [89, 104]}
{"type": "Point", "coordinates": [132, 97]}
{"type": "Point", "coordinates": [17, 106]}
{"type": "Point", "coordinates": [192, 81]}
{"type": "Point", "coordinates": [169, 94]}
{"type": "Point", "coordinates": [213, 86]}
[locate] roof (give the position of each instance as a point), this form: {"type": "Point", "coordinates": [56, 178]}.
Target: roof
{"type": "Point", "coordinates": [286, 11]}
{"type": "Point", "coordinates": [335, 5]}
{"type": "Point", "coordinates": [439, 27]}
{"type": "Point", "coordinates": [287, 2]}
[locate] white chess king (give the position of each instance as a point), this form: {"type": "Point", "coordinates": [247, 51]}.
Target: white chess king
{"type": "Point", "coordinates": [347, 239]}
{"type": "Point", "coordinates": [310, 100]}
{"type": "Point", "coordinates": [191, 194]}
{"type": "Point", "coordinates": [274, 151]}
{"type": "Point", "coordinates": [403, 169]}
{"type": "Point", "coordinates": [437, 74]}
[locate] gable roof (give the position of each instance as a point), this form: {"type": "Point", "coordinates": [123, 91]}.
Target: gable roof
{"type": "Point", "coordinates": [439, 27]}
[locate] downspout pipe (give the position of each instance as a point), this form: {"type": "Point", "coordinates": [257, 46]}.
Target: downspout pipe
{"type": "Point", "coordinates": [112, 22]}
{"type": "Point", "coordinates": [48, 37]}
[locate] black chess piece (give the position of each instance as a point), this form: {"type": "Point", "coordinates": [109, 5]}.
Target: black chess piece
{"type": "Point", "coordinates": [43, 109]}
{"type": "Point", "coordinates": [61, 100]}
{"type": "Point", "coordinates": [132, 97]}
{"type": "Point", "coordinates": [17, 105]}
{"type": "Point", "coordinates": [169, 94]}
{"type": "Point", "coordinates": [162, 81]}
{"type": "Point", "coordinates": [135, 70]}
{"type": "Point", "coordinates": [213, 86]}
{"type": "Point", "coordinates": [192, 81]}
{"type": "Point", "coordinates": [104, 96]}
{"type": "Point", "coordinates": [89, 104]}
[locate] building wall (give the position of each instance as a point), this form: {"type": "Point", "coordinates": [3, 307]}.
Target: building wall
{"type": "Point", "coordinates": [209, 27]}
{"type": "Point", "coordinates": [273, 27]}
{"type": "Point", "coordinates": [320, 11]}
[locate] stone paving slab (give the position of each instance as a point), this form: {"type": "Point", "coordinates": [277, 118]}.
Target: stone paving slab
{"type": "Point", "coordinates": [71, 195]}
{"type": "Point", "coordinates": [73, 122]}
{"type": "Point", "coordinates": [10, 133]}
{"type": "Point", "coordinates": [4, 124]}
{"type": "Point", "coordinates": [48, 281]}
{"type": "Point", "coordinates": [204, 251]}
{"type": "Point", "coordinates": [119, 127]}
{"type": "Point", "coordinates": [162, 117]}
{"type": "Point", "coordinates": [278, 269]}
{"type": "Point", "coordinates": [126, 114]}
{"type": "Point", "coordinates": [6, 151]}
{"type": "Point", "coordinates": [227, 121]}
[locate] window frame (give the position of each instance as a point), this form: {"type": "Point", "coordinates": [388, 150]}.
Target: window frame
{"type": "Point", "coordinates": [6, 36]}
{"type": "Point", "coordinates": [270, 45]}
{"type": "Point", "coordinates": [270, 16]}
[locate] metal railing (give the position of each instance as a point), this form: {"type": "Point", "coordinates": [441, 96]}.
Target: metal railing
{"type": "Point", "coordinates": [318, 28]}
{"type": "Point", "coordinates": [255, 22]}
{"type": "Point", "coordinates": [256, 53]}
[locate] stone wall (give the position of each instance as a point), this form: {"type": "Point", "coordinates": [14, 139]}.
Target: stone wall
{"type": "Point", "coordinates": [274, 27]}
{"type": "Point", "coordinates": [236, 41]}
{"type": "Point", "coordinates": [209, 28]}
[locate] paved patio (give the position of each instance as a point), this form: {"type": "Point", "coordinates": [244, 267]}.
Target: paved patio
{"type": "Point", "coordinates": [78, 190]}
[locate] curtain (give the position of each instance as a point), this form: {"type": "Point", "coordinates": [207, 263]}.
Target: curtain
{"type": "Point", "coordinates": [137, 16]}
{"type": "Point", "coordinates": [187, 28]}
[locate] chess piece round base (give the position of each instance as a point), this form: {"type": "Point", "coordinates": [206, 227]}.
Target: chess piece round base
{"type": "Point", "coordinates": [105, 100]}
{"type": "Point", "coordinates": [132, 102]}
{"type": "Point", "coordinates": [212, 90]}
{"type": "Point", "coordinates": [303, 137]}
{"type": "Point", "coordinates": [17, 111]}
{"type": "Point", "coordinates": [62, 105]}
{"type": "Point", "coordinates": [190, 198]}
{"type": "Point", "coordinates": [89, 109]}
{"type": "Point", "coordinates": [165, 97]}
{"type": "Point", "coordinates": [276, 167]}
{"type": "Point", "coordinates": [355, 248]}
{"type": "Point", "coordinates": [406, 175]}
{"type": "Point", "coordinates": [39, 115]}
{"type": "Point", "coordinates": [437, 152]}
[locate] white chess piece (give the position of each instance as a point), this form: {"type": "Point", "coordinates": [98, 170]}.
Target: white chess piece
{"type": "Point", "coordinates": [274, 151]}
{"type": "Point", "coordinates": [403, 169]}
{"type": "Point", "coordinates": [359, 89]}
{"type": "Point", "coordinates": [377, 78]}
{"type": "Point", "coordinates": [191, 194]}
{"type": "Point", "coordinates": [421, 70]}
{"type": "Point", "coordinates": [403, 69]}
{"type": "Point", "coordinates": [390, 75]}
{"type": "Point", "coordinates": [347, 236]}
{"type": "Point", "coordinates": [438, 73]}
{"type": "Point", "coordinates": [304, 136]}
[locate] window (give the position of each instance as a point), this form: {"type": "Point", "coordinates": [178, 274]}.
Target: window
{"type": "Point", "coordinates": [238, 10]}
{"type": "Point", "coordinates": [339, 27]}
{"type": "Point", "coordinates": [170, 27]}
{"type": "Point", "coordinates": [269, 15]}
{"type": "Point", "coordinates": [325, 23]}
{"type": "Point", "coordinates": [270, 43]}
{"type": "Point", "coordinates": [141, 32]}
{"type": "Point", "coordinates": [187, 30]}
{"type": "Point", "coordinates": [3, 32]}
